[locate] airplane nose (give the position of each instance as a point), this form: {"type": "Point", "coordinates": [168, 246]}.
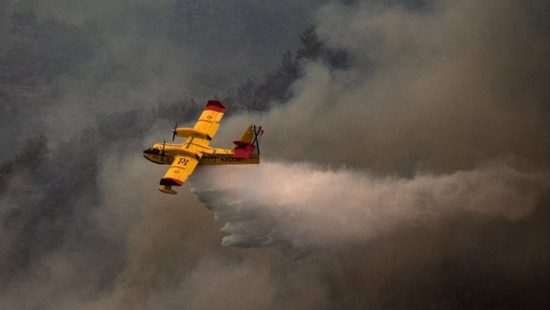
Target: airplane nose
{"type": "Point", "coordinates": [150, 151]}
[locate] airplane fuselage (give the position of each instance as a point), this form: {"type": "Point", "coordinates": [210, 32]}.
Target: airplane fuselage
{"type": "Point", "coordinates": [208, 156]}
{"type": "Point", "coordinates": [196, 150]}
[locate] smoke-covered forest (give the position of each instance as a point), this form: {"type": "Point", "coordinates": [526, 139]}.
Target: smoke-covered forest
{"type": "Point", "coordinates": [405, 156]}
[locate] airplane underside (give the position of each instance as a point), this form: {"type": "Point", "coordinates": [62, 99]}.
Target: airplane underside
{"type": "Point", "coordinates": [167, 183]}
{"type": "Point", "coordinates": [208, 159]}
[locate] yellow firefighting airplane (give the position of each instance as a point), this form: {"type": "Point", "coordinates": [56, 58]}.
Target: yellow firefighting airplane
{"type": "Point", "coordinates": [184, 158]}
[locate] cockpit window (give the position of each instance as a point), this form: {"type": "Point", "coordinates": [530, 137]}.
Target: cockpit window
{"type": "Point", "coordinates": [152, 150]}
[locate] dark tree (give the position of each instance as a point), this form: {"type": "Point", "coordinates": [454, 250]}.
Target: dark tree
{"type": "Point", "coordinates": [312, 45]}
{"type": "Point", "coordinates": [276, 86]}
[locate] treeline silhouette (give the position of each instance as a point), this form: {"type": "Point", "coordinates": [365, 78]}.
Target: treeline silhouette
{"type": "Point", "coordinates": [49, 190]}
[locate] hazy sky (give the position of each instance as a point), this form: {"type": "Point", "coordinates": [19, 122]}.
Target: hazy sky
{"type": "Point", "coordinates": [417, 177]}
{"type": "Point", "coordinates": [135, 54]}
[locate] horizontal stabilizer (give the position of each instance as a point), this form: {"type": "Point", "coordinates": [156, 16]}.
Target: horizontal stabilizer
{"type": "Point", "coordinates": [243, 150]}
{"type": "Point", "coordinates": [246, 143]}
{"type": "Point", "coordinates": [192, 132]}
{"type": "Point", "coordinates": [241, 143]}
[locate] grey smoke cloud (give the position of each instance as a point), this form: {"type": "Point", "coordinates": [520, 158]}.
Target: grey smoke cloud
{"type": "Point", "coordinates": [442, 119]}
{"type": "Point", "coordinates": [436, 99]}
{"type": "Point", "coordinates": [300, 205]}
{"type": "Point", "coordinates": [419, 131]}
{"type": "Point", "coordinates": [140, 53]}
{"type": "Point", "coordinates": [433, 90]}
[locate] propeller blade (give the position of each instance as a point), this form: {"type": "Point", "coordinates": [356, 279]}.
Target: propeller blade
{"type": "Point", "coordinates": [174, 131]}
{"type": "Point", "coordinates": [162, 151]}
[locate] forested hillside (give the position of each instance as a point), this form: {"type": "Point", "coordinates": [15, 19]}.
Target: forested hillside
{"type": "Point", "coordinates": [404, 161]}
{"type": "Point", "coordinates": [48, 185]}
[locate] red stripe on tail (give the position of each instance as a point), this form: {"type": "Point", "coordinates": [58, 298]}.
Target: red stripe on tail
{"type": "Point", "coordinates": [244, 151]}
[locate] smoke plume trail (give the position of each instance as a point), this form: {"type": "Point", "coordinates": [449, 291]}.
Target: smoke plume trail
{"type": "Point", "coordinates": [435, 100]}
{"type": "Point", "coordinates": [303, 206]}
{"type": "Point", "coordinates": [429, 212]}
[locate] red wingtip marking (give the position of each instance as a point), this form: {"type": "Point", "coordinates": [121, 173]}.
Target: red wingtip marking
{"type": "Point", "coordinates": [215, 105]}
{"type": "Point", "coordinates": [170, 182]}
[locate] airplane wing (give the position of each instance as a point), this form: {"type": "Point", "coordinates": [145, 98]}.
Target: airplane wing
{"type": "Point", "coordinates": [210, 118]}
{"type": "Point", "coordinates": [180, 169]}
{"type": "Point", "coordinates": [206, 127]}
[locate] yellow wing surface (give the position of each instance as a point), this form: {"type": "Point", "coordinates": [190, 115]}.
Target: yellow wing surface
{"type": "Point", "coordinates": [209, 121]}
{"type": "Point", "coordinates": [180, 169]}
{"type": "Point", "coordinates": [206, 127]}
{"type": "Point", "coordinates": [196, 143]}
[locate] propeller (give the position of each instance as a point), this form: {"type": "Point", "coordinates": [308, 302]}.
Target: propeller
{"type": "Point", "coordinates": [162, 152]}
{"type": "Point", "coordinates": [174, 131]}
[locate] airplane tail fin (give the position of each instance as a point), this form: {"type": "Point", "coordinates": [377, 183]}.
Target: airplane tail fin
{"type": "Point", "coordinates": [248, 142]}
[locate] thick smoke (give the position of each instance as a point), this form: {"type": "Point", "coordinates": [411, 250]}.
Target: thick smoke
{"type": "Point", "coordinates": [440, 126]}
{"type": "Point", "coordinates": [436, 95]}
{"type": "Point", "coordinates": [445, 88]}
{"type": "Point", "coordinates": [76, 59]}
{"type": "Point", "coordinates": [415, 177]}
{"type": "Point", "coordinates": [303, 206]}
